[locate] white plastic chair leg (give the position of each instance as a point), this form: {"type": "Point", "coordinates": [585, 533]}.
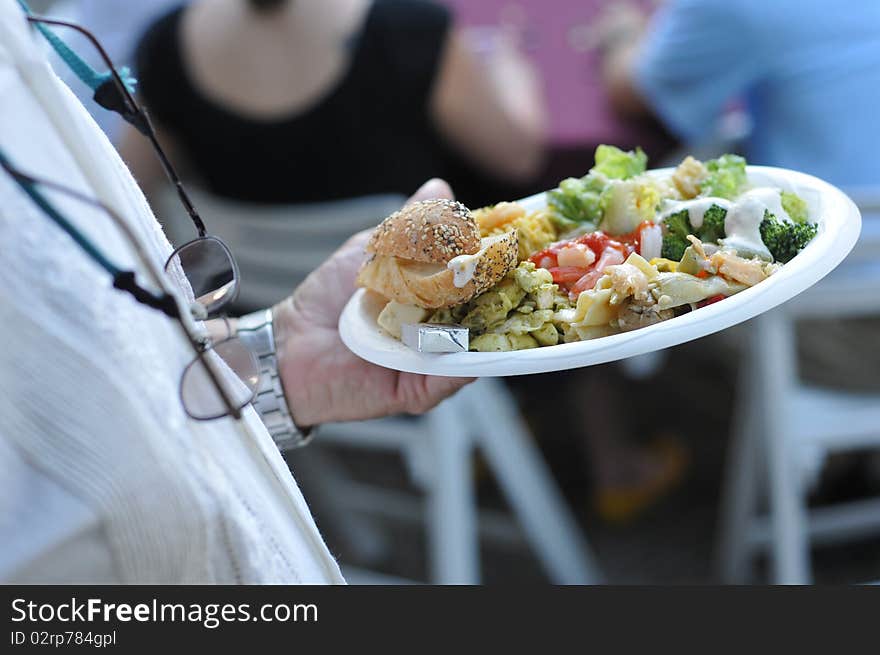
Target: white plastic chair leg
{"type": "Point", "coordinates": [740, 492]}
{"type": "Point", "coordinates": [454, 552]}
{"type": "Point", "coordinates": [739, 504]}
{"type": "Point", "coordinates": [529, 486]}
{"type": "Point", "coordinates": [773, 347]}
{"type": "Point", "coordinates": [788, 516]}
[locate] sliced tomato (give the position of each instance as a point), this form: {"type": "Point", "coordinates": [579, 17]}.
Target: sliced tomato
{"type": "Point", "coordinates": [547, 261]}
{"type": "Point", "coordinates": [595, 241]}
{"type": "Point", "coordinates": [634, 238]}
{"type": "Point", "coordinates": [575, 279]}
{"type": "Point", "coordinates": [610, 257]}
{"type": "Point", "coordinates": [585, 283]}
{"type": "Point", "coordinates": [565, 275]}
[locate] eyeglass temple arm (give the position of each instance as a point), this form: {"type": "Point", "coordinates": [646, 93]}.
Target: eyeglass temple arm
{"type": "Point", "coordinates": [131, 112]}
{"type": "Point", "coordinates": [124, 102]}
{"type": "Point", "coordinates": [123, 280]}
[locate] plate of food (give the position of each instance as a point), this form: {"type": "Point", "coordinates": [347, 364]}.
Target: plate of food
{"type": "Point", "coordinates": [617, 263]}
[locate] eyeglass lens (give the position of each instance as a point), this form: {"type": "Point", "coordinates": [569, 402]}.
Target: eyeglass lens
{"type": "Point", "coordinates": [210, 270]}
{"type": "Point", "coordinates": [230, 361]}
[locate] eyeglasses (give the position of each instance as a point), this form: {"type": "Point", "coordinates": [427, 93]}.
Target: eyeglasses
{"type": "Point", "coordinates": [204, 250]}
{"type": "Point", "coordinates": [214, 363]}
{"type": "Point", "coordinates": [206, 261]}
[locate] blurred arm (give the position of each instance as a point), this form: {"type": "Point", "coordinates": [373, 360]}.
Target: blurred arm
{"type": "Point", "coordinates": [493, 111]}
{"type": "Point", "coordinates": [690, 60]}
{"type": "Point", "coordinates": [620, 33]}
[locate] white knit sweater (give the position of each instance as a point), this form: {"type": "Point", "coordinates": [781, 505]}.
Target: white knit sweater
{"type": "Point", "coordinates": [103, 478]}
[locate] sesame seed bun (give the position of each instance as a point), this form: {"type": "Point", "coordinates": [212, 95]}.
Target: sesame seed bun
{"type": "Point", "coordinates": [432, 231]}
{"type": "Point", "coordinates": [432, 285]}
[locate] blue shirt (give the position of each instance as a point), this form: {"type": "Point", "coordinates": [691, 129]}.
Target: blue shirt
{"type": "Point", "coordinates": [807, 70]}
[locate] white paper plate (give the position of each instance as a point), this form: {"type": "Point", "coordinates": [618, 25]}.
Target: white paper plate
{"type": "Point", "coordinates": [839, 225]}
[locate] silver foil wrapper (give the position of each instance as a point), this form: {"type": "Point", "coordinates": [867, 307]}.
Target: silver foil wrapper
{"type": "Point", "coordinates": [435, 338]}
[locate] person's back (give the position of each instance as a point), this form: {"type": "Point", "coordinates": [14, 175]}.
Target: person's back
{"type": "Point", "coordinates": [280, 104]}
{"type": "Point", "coordinates": [809, 73]}
{"type": "Point", "coordinates": [817, 88]}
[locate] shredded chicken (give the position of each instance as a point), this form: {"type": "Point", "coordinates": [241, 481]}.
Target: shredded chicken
{"type": "Point", "coordinates": [746, 271]}
{"type": "Point", "coordinates": [628, 280]}
{"type": "Point", "coordinates": [698, 245]}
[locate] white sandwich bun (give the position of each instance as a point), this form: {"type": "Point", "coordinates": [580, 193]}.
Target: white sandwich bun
{"type": "Point", "coordinates": [411, 251]}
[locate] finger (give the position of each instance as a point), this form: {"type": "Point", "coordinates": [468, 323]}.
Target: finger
{"type": "Point", "coordinates": [433, 188]}
{"type": "Point", "coordinates": [359, 239]}
{"type": "Point", "coordinates": [439, 388]}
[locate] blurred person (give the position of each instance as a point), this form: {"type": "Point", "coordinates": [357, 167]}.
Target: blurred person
{"type": "Point", "coordinates": [810, 81]}
{"type": "Point", "coordinates": [808, 77]}
{"type": "Point", "coordinates": [284, 101]}
{"type": "Point", "coordinates": [105, 477]}
{"type": "Point", "coordinates": [807, 73]}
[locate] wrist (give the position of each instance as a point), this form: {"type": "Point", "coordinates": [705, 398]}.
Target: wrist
{"type": "Point", "coordinates": [256, 331]}
{"type": "Point", "coordinates": [288, 331]}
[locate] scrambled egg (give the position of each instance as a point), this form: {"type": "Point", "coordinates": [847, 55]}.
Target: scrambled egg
{"type": "Point", "coordinates": [535, 229]}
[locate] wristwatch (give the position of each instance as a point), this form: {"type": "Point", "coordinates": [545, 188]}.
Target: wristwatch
{"type": "Point", "coordinates": [255, 332]}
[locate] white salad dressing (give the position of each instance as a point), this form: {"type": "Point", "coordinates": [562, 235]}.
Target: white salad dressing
{"type": "Point", "coordinates": [743, 220]}
{"type": "Point", "coordinates": [771, 198]}
{"type": "Point", "coordinates": [742, 227]}
{"type": "Point", "coordinates": [696, 208]}
{"type": "Point", "coordinates": [463, 266]}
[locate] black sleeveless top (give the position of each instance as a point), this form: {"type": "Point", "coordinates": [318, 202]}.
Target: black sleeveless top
{"type": "Point", "coordinates": [372, 133]}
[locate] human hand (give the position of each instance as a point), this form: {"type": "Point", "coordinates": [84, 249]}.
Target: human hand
{"type": "Point", "coordinates": [323, 380]}
{"type": "Point", "coordinates": [618, 23]}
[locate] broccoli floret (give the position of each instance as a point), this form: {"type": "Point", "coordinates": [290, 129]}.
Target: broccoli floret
{"type": "Point", "coordinates": [727, 176]}
{"type": "Point", "coordinates": [794, 206]}
{"type": "Point", "coordinates": [712, 228]}
{"type": "Point", "coordinates": [679, 224]}
{"type": "Point", "coordinates": [673, 247]}
{"type": "Point", "coordinates": [784, 240]}
{"type": "Point", "coordinates": [675, 242]}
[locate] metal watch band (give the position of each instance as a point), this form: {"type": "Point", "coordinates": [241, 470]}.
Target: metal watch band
{"type": "Point", "coordinates": [255, 331]}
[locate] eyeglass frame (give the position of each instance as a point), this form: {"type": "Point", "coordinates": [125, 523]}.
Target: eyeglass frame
{"type": "Point", "coordinates": [167, 303]}
{"type": "Point", "coordinates": [137, 116]}
{"type": "Point", "coordinates": [134, 114]}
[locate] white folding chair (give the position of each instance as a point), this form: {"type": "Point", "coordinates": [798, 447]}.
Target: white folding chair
{"type": "Point", "coordinates": [276, 247]}
{"type": "Point", "coordinates": [784, 430]}
{"type": "Point", "coordinates": [439, 450]}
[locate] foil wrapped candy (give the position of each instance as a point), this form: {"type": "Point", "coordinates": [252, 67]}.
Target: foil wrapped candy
{"type": "Point", "coordinates": [435, 337]}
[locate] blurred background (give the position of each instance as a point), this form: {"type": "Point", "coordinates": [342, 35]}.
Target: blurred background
{"type": "Point", "coordinates": [748, 456]}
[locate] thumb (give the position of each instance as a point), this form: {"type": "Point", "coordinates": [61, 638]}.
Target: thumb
{"type": "Point", "coordinates": [433, 188]}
